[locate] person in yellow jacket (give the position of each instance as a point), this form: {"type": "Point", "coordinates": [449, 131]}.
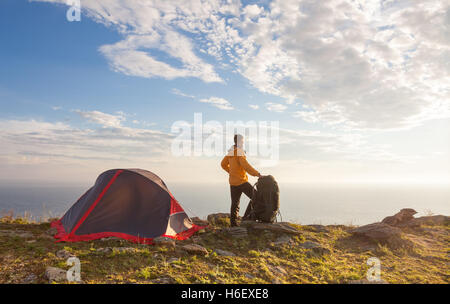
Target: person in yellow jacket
{"type": "Point", "coordinates": [235, 163]}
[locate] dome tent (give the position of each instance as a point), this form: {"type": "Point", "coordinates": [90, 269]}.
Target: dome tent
{"type": "Point", "coordinates": [132, 204]}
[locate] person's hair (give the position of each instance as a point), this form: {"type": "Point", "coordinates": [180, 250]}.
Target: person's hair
{"type": "Point", "coordinates": [236, 138]}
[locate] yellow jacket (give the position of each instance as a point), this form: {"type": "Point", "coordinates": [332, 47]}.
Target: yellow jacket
{"type": "Point", "coordinates": [235, 163]}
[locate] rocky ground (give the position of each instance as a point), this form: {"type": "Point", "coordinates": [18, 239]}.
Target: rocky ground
{"type": "Point", "coordinates": [410, 250]}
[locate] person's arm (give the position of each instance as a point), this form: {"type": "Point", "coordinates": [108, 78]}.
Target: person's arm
{"type": "Point", "coordinates": [225, 164]}
{"type": "Point", "coordinates": [250, 170]}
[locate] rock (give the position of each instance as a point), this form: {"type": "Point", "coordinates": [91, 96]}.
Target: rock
{"type": "Point", "coordinates": [238, 232]}
{"type": "Point", "coordinates": [64, 254]}
{"type": "Point", "coordinates": [216, 218]}
{"type": "Point", "coordinates": [163, 280]}
{"type": "Point", "coordinates": [195, 239]}
{"type": "Point", "coordinates": [401, 218]}
{"type": "Point", "coordinates": [52, 231]}
{"type": "Point", "coordinates": [318, 228]}
{"type": "Point", "coordinates": [46, 236]}
{"type": "Point", "coordinates": [223, 252]}
{"type": "Point", "coordinates": [16, 233]}
{"type": "Point", "coordinates": [377, 231]}
{"type": "Point", "coordinates": [309, 245]}
{"type": "Point", "coordinates": [164, 241]}
{"type": "Point", "coordinates": [24, 235]}
{"type": "Point", "coordinates": [269, 234]}
{"type": "Point", "coordinates": [54, 274]}
{"type": "Point", "coordinates": [283, 227]}
{"type": "Point", "coordinates": [171, 260]}
{"type": "Point", "coordinates": [365, 281]}
{"type": "Point", "coordinates": [367, 247]}
{"type": "Point", "coordinates": [124, 249]}
{"type": "Point", "coordinates": [31, 278]}
{"type": "Point", "coordinates": [277, 271]}
{"type": "Point", "coordinates": [430, 220]}
{"type": "Point", "coordinates": [315, 247]}
{"type": "Point", "coordinates": [276, 281]}
{"type": "Point", "coordinates": [197, 221]}
{"type": "Point", "coordinates": [111, 238]}
{"type": "Point", "coordinates": [283, 240]}
{"type": "Point", "coordinates": [195, 249]}
{"type": "Point", "coordinates": [104, 250]}
{"type": "Point", "coordinates": [383, 233]}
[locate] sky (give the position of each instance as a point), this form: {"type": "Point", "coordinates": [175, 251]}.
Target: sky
{"type": "Point", "coordinates": [360, 89]}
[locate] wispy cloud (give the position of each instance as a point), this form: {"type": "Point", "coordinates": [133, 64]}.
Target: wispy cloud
{"type": "Point", "coordinates": [110, 140]}
{"type": "Point", "coordinates": [179, 93]}
{"type": "Point", "coordinates": [103, 119]}
{"type": "Point", "coordinates": [275, 107]}
{"type": "Point", "coordinates": [218, 102]}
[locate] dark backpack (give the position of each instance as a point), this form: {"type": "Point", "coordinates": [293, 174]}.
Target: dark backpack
{"type": "Point", "coordinates": [266, 200]}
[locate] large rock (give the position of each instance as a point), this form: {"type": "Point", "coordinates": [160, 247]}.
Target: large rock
{"type": "Point", "coordinates": [430, 220]}
{"type": "Point", "coordinates": [195, 249]}
{"type": "Point", "coordinates": [383, 233]}
{"type": "Point", "coordinates": [54, 274]}
{"type": "Point", "coordinates": [238, 232]}
{"type": "Point", "coordinates": [377, 231]}
{"type": "Point", "coordinates": [282, 227]}
{"type": "Point", "coordinates": [164, 241]}
{"type": "Point", "coordinates": [223, 252]}
{"type": "Point", "coordinates": [401, 218]}
{"type": "Point", "coordinates": [315, 247]}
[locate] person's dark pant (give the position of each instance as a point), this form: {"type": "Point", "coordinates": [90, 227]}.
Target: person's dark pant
{"type": "Point", "coordinates": [236, 192]}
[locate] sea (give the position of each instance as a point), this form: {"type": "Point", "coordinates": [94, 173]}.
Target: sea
{"type": "Point", "coordinates": [347, 204]}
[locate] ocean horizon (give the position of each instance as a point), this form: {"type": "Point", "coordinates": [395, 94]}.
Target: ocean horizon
{"type": "Point", "coordinates": [347, 204]}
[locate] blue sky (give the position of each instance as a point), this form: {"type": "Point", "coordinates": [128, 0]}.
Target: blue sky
{"type": "Point", "coordinates": [50, 62]}
{"type": "Point", "coordinates": [362, 97]}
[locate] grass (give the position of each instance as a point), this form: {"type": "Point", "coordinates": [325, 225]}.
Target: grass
{"type": "Point", "coordinates": [255, 260]}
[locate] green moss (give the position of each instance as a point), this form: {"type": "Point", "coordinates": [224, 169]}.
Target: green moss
{"type": "Point", "coordinates": [254, 262]}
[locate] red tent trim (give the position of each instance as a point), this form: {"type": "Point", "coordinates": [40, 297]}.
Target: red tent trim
{"type": "Point", "coordinates": [96, 201]}
{"type": "Point", "coordinates": [62, 236]}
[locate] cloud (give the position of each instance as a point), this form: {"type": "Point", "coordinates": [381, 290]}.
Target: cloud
{"type": "Point", "coordinates": [275, 107]}
{"type": "Point", "coordinates": [372, 64]}
{"type": "Point", "coordinates": [103, 119]}
{"type": "Point", "coordinates": [361, 64]}
{"type": "Point", "coordinates": [253, 106]}
{"type": "Point", "coordinates": [36, 141]}
{"type": "Point", "coordinates": [179, 93]}
{"type": "Point", "coordinates": [218, 102]}
{"type": "Point", "coordinates": [131, 58]}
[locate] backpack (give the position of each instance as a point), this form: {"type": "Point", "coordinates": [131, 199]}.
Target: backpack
{"type": "Point", "coordinates": [265, 200]}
